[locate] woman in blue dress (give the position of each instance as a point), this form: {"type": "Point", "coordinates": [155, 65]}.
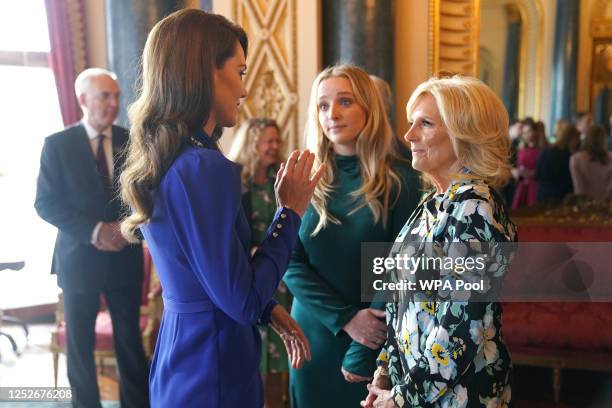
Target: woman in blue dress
{"type": "Point", "coordinates": [186, 199]}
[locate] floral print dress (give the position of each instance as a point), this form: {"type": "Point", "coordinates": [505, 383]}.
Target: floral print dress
{"type": "Point", "coordinates": [262, 205]}
{"type": "Point", "coordinates": [450, 353]}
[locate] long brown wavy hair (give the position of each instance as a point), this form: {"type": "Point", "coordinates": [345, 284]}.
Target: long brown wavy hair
{"type": "Point", "coordinates": [175, 99]}
{"type": "Point", "coordinates": [374, 149]}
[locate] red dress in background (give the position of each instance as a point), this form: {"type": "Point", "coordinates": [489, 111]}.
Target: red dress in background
{"type": "Point", "coordinates": [527, 187]}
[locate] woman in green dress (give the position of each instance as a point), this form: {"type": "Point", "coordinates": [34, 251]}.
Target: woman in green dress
{"type": "Point", "coordinates": [449, 351]}
{"type": "Point", "coordinates": [365, 195]}
{"type": "Point", "coordinates": [257, 147]}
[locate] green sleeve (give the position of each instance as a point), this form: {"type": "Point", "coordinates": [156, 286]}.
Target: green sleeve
{"type": "Point", "coordinates": [359, 359]}
{"type": "Point", "coordinates": [314, 292]}
{"type": "Point", "coordinates": [409, 198]}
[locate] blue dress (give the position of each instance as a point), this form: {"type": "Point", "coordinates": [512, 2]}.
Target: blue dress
{"type": "Point", "coordinates": [208, 349]}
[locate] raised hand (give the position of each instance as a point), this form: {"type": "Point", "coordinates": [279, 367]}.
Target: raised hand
{"type": "Point", "coordinates": [294, 185]}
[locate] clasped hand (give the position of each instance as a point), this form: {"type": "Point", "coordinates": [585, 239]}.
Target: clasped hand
{"type": "Point", "coordinates": [379, 394]}
{"type": "Point", "coordinates": [294, 185]}
{"type": "Point", "coordinates": [367, 328]}
{"type": "Point", "coordinates": [110, 238]}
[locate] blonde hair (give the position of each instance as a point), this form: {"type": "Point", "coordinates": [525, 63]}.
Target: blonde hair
{"type": "Point", "coordinates": [244, 147]}
{"type": "Point", "coordinates": [385, 92]}
{"type": "Point", "coordinates": [374, 149]}
{"type": "Point", "coordinates": [175, 99]}
{"type": "Point", "coordinates": [477, 124]}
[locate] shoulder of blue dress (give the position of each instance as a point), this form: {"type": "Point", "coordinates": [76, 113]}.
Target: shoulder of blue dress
{"type": "Point", "coordinates": [192, 158]}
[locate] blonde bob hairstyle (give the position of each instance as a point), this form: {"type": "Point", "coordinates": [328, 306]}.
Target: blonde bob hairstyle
{"type": "Point", "coordinates": [244, 147]}
{"type": "Point", "coordinates": [374, 150]}
{"type": "Point", "coordinates": [477, 124]}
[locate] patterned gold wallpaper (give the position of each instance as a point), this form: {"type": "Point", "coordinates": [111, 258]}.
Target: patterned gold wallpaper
{"type": "Point", "coordinates": [271, 79]}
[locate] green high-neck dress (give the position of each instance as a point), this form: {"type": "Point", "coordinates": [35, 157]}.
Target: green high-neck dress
{"type": "Point", "coordinates": [324, 277]}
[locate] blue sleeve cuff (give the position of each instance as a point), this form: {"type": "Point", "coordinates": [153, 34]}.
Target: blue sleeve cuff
{"type": "Point", "coordinates": [284, 215]}
{"type": "Point", "coordinates": [265, 316]}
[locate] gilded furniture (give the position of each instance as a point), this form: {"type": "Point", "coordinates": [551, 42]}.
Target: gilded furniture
{"type": "Point", "coordinates": [150, 316]}
{"type": "Point", "coordinates": [561, 335]}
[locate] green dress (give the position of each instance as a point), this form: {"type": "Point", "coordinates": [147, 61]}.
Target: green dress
{"type": "Point", "coordinates": [260, 205]}
{"type": "Point", "coordinates": [325, 279]}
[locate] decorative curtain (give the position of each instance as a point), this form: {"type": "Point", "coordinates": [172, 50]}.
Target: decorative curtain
{"type": "Point", "coordinates": [602, 107]}
{"type": "Point", "coordinates": [68, 56]}
{"type": "Point", "coordinates": [512, 66]}
{"type": "Point", "coordinates": [565, 61]}
{"type": "Point", "coordinates": [127, 25]}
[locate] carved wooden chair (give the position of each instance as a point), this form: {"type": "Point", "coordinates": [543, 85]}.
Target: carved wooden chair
{"type": "Point", "coordinates": [151, 309]}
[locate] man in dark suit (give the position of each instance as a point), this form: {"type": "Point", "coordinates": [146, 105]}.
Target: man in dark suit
{"type": "Point", "coordinates": [77, 192]}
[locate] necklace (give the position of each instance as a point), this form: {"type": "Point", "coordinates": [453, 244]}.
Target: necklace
{"type": "Point", "coordinates": [196, 142]}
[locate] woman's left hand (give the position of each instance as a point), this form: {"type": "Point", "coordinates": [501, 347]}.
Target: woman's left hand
{"type": "Point", "coordinates": [384, 398]}
{"type": "Point", "coordinates": [296, 343]}
{"type": "Point", "coordinates": [354, 378]}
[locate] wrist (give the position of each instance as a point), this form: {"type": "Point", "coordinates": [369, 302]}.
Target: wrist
{"type": "Point", "coordinates": [347, 326]}
{"type": "Point", "coordinates": [381, 371]}
{"type": "Point", "coordinates": [293, 209]}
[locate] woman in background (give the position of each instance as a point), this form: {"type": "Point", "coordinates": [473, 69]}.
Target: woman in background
{"type": "Point", "coordinates": [532, 142]}
{"type": "Point", "coordinates": [552, 171]}
{"type": "Point", "coordinates": [257, 148]}
{"type": "Point", "coordinates": [365, 195]}
{"type": "Point", "coordinates": [383, 87]}
{"type": "Point", "coordinates": [591, 168]}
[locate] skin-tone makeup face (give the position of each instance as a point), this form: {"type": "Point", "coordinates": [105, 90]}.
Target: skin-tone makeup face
{"type": "Point", "coordinates": [432, 151]}
{"type": "Point", "coordinates": [100, 101]}
{"type": "Point", "coordinates": [229, 91]}
{"type": "Point", "coordinates": [340, 116]}
{"type": "Point", "coordinates": [268, 147]}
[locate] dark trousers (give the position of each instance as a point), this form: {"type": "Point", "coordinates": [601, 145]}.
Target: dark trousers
{"type": "Point", "coordinates": [80, 314]}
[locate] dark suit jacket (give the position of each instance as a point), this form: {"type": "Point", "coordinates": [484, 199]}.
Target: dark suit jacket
{"type": "Point", "coordinates": [70, 195]}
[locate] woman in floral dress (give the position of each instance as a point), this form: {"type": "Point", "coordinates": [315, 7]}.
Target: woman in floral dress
{"type": "Point", "coordinates": [257, 148]}
{"type": "Point", "coordinates": [451, 353]}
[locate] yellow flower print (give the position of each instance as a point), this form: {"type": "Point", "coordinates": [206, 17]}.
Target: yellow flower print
{"type": "Point", "coordinates": [430, 307]}
{"type": "Point", "coordinates": [440, 354]}
{"type": "Point", "coordinates": [453, 190]}
{"type": "Point", "coordinates": [406, 341]}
